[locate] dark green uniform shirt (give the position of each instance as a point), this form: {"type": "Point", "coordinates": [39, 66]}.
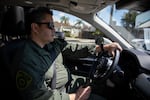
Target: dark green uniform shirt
{"type": "Point", "coordinates": [34, 70]}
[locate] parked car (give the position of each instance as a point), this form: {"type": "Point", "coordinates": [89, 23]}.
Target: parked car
{"type": "Point", "coordinates": [138, 43]}
{"type": "Point", "coordinates": [129, 74]}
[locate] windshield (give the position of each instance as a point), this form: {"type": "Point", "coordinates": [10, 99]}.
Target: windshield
{"type": "Point", "coordinates": [124, 22]}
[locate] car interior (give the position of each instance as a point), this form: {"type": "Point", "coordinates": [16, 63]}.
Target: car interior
{"type": "Point", "coordinates": [126, 76]}
{"type": "Point", "coordinates": [12, 31]}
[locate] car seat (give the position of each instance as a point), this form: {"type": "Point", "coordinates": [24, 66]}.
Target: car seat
{"type": "Point", "coordinates": [12, 28]}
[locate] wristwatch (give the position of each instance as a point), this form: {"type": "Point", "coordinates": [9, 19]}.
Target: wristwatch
{"type": "Point", "coordinates": [102, 47]}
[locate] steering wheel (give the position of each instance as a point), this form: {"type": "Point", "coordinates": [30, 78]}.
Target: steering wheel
{"type": "Point", "coordinates": [104, 66]}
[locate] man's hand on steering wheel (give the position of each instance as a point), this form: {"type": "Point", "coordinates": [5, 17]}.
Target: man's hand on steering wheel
{"type": "Point", "coordinates": [106, 65]}
{"type": "Point", "coordinates": [111, 47]}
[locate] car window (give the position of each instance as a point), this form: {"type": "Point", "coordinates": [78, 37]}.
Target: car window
{"type": "Point", "coordinates": [74, 28]}
{"type": "Point", "coordinates": [124, 22]}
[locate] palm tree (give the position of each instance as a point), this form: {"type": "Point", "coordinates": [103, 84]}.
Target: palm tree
{"type": "Point", "coordinates": [128, 20]}
{"type": "Point", "coordinates": [79, 23]}
{"type": "Point", "coordinates": [111, 14]}
{"type": "Point", "coordinates": [64, 20]}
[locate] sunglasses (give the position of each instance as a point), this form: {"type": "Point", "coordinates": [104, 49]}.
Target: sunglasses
{"type": "Point", "coordinates": [49, 24]}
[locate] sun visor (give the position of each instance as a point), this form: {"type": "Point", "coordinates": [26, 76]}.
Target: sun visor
{"type": "Point", "coordinates": [89, 6]}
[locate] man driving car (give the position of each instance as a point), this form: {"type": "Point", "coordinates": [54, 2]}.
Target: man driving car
{"type": "Point", "coordinates": [39, 71]}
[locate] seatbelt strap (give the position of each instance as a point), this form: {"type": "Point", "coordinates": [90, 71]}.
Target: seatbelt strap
{"type": "Point", "coordinates": [53, 55]}
{"type": "Point", "coordinates": [53, 81]}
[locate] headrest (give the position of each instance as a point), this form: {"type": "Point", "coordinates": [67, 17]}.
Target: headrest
{"type": "Point", "coordinates": [13, 22]}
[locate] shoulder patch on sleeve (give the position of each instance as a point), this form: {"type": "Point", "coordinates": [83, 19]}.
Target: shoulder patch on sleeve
{"type": "Point", "coordinates": [23, 80]}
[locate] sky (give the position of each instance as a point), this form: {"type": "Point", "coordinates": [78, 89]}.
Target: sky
{"type": "Point", "coordinates": [117, 15]}
{"type": "Point", "coordinates": [57, 15]}
{"type": "Point", "coordinates": [72, 19]}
